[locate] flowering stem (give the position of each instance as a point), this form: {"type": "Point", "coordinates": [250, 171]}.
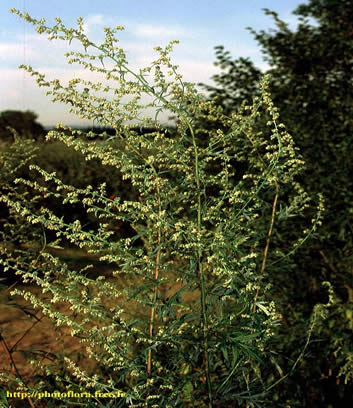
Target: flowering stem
{"type": "Point", "coordinates": [155, 288]}
{"type": "Point", "coordinates": [269, 233]}
{"type": "Point", "coordinates": [204, 319]}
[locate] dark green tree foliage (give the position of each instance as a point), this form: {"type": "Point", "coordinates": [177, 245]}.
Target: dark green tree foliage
{"type": "Point", "coordinates": [241, 70]}
{"type": "Point", "coordinates": [25, 124]}
{"type": "Point", "coordinates": [312, 77]}
{"type": "Point", "coordinates": [14, 234]}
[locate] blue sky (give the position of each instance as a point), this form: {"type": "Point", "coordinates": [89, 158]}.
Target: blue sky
{"type": "Point", "coordinates": [200, 25]}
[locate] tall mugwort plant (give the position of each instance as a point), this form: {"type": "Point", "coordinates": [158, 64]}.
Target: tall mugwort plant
{"type": "Point", "coordinates": [193, 318]}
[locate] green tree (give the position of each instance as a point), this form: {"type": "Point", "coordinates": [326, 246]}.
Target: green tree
{"type": "Point", "coordinates": [312, 76]}
{"type": "Point", "coordinates": [24, 122]}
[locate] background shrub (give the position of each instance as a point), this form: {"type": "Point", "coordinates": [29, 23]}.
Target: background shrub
{"type": "Point", "coordinates": [311, 72]}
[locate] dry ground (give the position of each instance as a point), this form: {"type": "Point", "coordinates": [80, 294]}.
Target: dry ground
{"type": "Point", "coordinates": [27, 334]}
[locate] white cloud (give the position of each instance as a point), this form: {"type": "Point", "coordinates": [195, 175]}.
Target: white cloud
{"type": "Point", "coordinates": [16, 51]}
{"type": "Point", "coordinates": [20, 92]}
{"type": "Point", "coordinates": [158, 31]}
{"type": "Point", "coordinates": [19, 89]}
{"type": "Point", "coordinates": [33, 49]}
{"type": "Point", "coordinates": [94, 20]}
{"type": "Point", "coordinates": [194, 71]}
{"type": "Point", "coordinates": [263, 67]}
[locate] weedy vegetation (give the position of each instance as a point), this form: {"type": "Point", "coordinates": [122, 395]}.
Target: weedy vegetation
{"type": "Point", "coordinates": [193, 323]}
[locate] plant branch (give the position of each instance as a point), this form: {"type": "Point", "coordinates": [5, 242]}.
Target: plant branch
{"type": "Point", "coordinates": [204, 319]}
{"type": "Point", "coordinates": [14, 369]}
{"type": "Point", "coordinates": [155, 288]}
{"type": "Point", "coordinates": [268, 239]}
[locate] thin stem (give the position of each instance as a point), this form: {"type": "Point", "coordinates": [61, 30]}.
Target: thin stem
{"type": "Point", "coordinates": [14, 369]}
{"type": "Point", "coordinates": [268, 239]}
{"type": "Point", "coordinates": [270, 230]}
{"type": "Point", "coordinates": [155, 288]}
{"type": "Point", "coordinates": [204, 319]}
